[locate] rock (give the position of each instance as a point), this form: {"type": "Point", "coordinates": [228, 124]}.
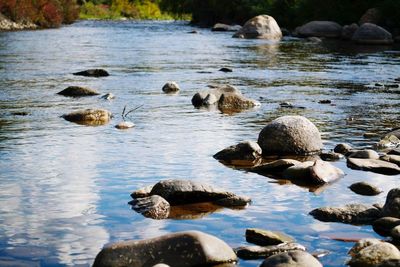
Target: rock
{"type": "Point", "coordinates": [314, 39]}
{"type": "Point", "coordinates": [290, 105]}
{"type": "Point", "coordinates": [258, 252]}
{"type": "Point", "coordinates": [193, 32]}
{"type": "Point", "coordinates": [395, 233]}
{"type": "Point", "coordinates": [372, 34]}
{"type": "Point", "coordinates": [395, 151]}
{"type": "Point", "coordinates": [233, 201]}
{"type": "Point", "coordinates": [392, 204]}
{"type": "Point", "coordinates": [20, 113]}
{"type": "Point", "coordinates": [383, 226]}
{"type": "Point", "coordinates": [260, 27]}
{"type": "Point", "coordinates": [324, 172]}
{"type": "Point", "coordinates": [226, 69]}
{"type": "Point", "coordinates": [89, 116]}
{"type": "Point", "coordinates": [178, 192]}
{"type": "Point", "coordinates": [220, 27]}
{"type": "Point", "coordinates": [330, 156]}
{"type": "Point", "coordinates": [108, 96]}
{"type": "Point", "coordinates": [142, 192]}
{"type": "Point", "coordinates": [93, 73]}
{"type": "Point", "coordinates": [227, 97]}
{"type": "Point", "coordinates": [265, 238]}
{"type": "Point", "coordinates": [352, 214]}
{"type": "Point", "coordinates": [389, 263]}
{"type": "Point", "coordinates": [170, 87]}
{"type": "Point", "coordinates": [373, 255]}
{"type": "Point", "coordinates": [291, 259]}
{"type": "Point", "coordinates": [290, 135]}
{"type": "Point", "coordinates": [361, 244]}
{"type": "Point", "coordinates": [370, 135]}
{"type": "Point", "coordinates": [391, 158]}
{"type": "Point", "coordinates": [348, 31]}
{"type": "Point", "coordinates": [372, 15]}
{"type": "Point", "coordinates": [125, 125]}
{"type": "Point", "coordinates": [363, 154]}
{"type": "Point", "coordinates": [299, 172]}
{"type": "Point", "coordinates": [327, 29]}
{"type": "Point", "coordinates": [373, 165]}
{"type": "Point", "coordinates": [274, 166]}
{"type": "Point", "coordinates": [365, 189]}
{"type": "Point", "coordinates": [76, 91]}
{"type": "Point", "coordinates": [388, 141]}
{"type": "Point", "coordinates": [248, 150]}
{"type": "Point", "coordinates": [395, 132]}
{"type": "Point", "coordinates": [154, 207]}
{"type": "Point", "coordinates": [161, 265]}
{"type": "Point", "coordinates": [325, 101]}
{"type": "Point", "coordinates": [192, 248]}
{"type": "Point", "coordinates": [342, 148]}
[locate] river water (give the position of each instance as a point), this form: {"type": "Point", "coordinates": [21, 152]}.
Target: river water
{"type": "Point", "coordinates": [64, 187]}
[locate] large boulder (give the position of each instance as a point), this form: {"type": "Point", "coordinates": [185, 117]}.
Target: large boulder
{"type": "Point", "coordinates": [77, 91]}
{"type": "Point", "coordinates": [329, 29]}
{"type": "Point", "coordinates": [248, 150]}
{"type": "Point", "coordinates": [92, 73]}
{"type": "Point", "coordinates": [290, 135]}
{"type": "Point", "coordinates": [226, 97]}
{"type": "Point", "coordinates": [351, 213]}
{"type": "Point", "coordinates": [89, 116]}
{"type": "Point", "coordinates": [392, 204]}
{"type": "Point", "coordinates": [369, 33]}
{"type": "Point", "coordinates": [374, 254]}
{"type": "Point", "coordinates": [260, 27]}
{"type": "Point", "coordinates": [295, 258]}
{"type": "Point", "coordinates": [192, 248]}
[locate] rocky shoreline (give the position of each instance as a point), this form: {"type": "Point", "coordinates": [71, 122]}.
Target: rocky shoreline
{"type": "Point", "coordinates": [8, 25]}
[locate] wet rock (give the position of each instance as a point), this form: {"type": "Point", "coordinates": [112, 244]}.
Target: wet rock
{"type": "Point", "coordinates": [325, 101]}
{"type": "Point", "coordinates": [370, 135]}
{"type": "Point", "coordinates": [383, 226]}
{"type": "Point", "coordinates": [372, 34]}
{"type": "Point", "coordinates": [227, 97]}
{"type": "Point", "coordinates": [224, 69]}
{"type": "Point", "coordinates": [290, 105]}
{"type": "Point", "coordinates": [373, 255]}
{"type": "Point", "coordinates": [275, 166]}
{"type": "Point", "coordinates": [352, 214]}
{"type": "Point", "coordinates": [77, 91]}
{"type": "Point", "coordinates": [373, 165]}
{"type": "Point", "coordinates": [20, 113]}
{"type": "Point", "coordinates": [391, 158]}
{"type": "Point", "coordinates": [388, 141]}
{"type": "Point", "coordinates": [372, 15]}
{"type": "Point", "coordinates": [265, 238]}
{"type": "Point", "coordinates": [232, 201]}
{"type": "Point", "coordinates": [248, 150]}
{"type": "Point", "coordinates": [192, 248]}
{"type": "Point", "coordinates": [299, 171]}
{"type": "Point", "coordinates": [170, 87]}
{"type": "Point", "coordinates": [142, 192]}
{"type": "Point", "coordinates": [327, 29]}
{"type": "Point", "coordinates": [93, 73]}
{"type": "Point", "coordinates": [342, 148]}
{"type": "Point", "coordinates": [395, 233]}
{"type": "Point", "coordinates": [365, 189]}
{"type": "Point", "coordinates": [363, 154]}
{"type": "Point", "coordinates": [259, 252]}
{"type": "Point", "coordinates": [395, 151]}
{"type": "Point", "coordinates": [220, 27]}
{"type": "Point", "coordinates": [89, 117]}
{"type": "Point", "coordinates": [389, 263]}
{"type": "Point", "coordinates": [290, 135]}
{"type": "Point", "coordinates": [193, 32]}
{"type": "Point", "coordinates": [363, 243]}
{"type": "Point", "coordinates": [348, 31]}
{"type": "Point", "coordinates": [290, 259]}
{"type": "Point", "coordinates": [178, 192]}
{"type": "Point", "coordinates": [154, 207]}
{"type": "Point", "coordinates": [260, 27]}
{"type": "Point", "coordinates": [392, 204]}
{"type": "Point", "coordinates": [330, 156]}
{"type": "Point", "coordinates": [125, 125]}
{"type": "Point", "coordinates": [108, 96]}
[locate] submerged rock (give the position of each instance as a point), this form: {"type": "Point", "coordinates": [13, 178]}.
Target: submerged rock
{"type": "Point", "coordinates": [373, 165]}
{"type": "Point", "coordinates": [383, 226]}
{"type": "Point", "coordinates": [392, 204]}
{"type": "Point", "coordinates": [170, 87]}
{"type": "Point", "coordinates": [295, 258]}
{"type": "Point", "coordinates": [261, 252]}
{"type": "Point", "coordinates": [372, 34]}
{"type": "Point", "coordinates": [352, 214]}
{"type": "Point", "coordinates": [276, 166]}
{"type": "Point", "coordinates": [290, 135]}
{"type": "Point", "coordinates": [77, 91]}
{"type": "Point", "coordinates": [192, 248]}
{"type": "Point", "coordinates": [331, 156]}
{"type": "Point", "coordinates": [125, 125]}
{"type": "Point", "coordinates": [374, 254]}
{"type": "Point", "coordinates": [365, 189]}
{"type": "Point", "coordinates": [247, 150]}
{"type": "Point", "coordinates": [264, 237]}
{"type": "Point", "coordinates": [327, 29]}
{"type": "Point", "coordinates": [154, 207]}
{"type": "Point", "coordinates": [260, 27]}
{"type": "Point", "coordinates": [108, 96]}
{"type": "Point", "coordinates": [342, 148]}
{"type": "Point", "coordinates": [93, 73]}
{"type": "Point", "coordinates": [224, 69]}
{"type": "Point", "coordinates": [89, 116]}
{"type": "Point", "coordinates": [220, 27]}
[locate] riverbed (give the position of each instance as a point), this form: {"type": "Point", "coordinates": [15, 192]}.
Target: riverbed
{"type": "Point", "coordinates": [65, 188]}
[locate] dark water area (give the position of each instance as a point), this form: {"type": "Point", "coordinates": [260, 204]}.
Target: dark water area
{"type": "Point", "coordinates": [65, 188]}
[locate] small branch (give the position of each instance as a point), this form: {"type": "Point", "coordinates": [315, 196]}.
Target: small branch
{"type": "Point", "coordinates": [130, 111]}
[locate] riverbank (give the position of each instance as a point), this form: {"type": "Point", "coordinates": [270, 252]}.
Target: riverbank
{"type": "Point", "coordinates": [7, 24]}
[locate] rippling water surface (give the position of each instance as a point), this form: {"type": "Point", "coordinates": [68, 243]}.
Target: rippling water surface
{"type": "Point", "coordinates": [64, 187]}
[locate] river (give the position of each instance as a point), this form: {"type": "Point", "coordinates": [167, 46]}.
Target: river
{"type": "Point", "coordinates": [65, 188]}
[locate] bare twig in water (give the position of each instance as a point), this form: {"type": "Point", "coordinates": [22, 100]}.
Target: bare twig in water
{"type": "Point", "coordinates": [130, 111]}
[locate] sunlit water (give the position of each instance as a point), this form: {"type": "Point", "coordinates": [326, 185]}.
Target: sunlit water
{"type": "Point", "coordinates": [64, 187]}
